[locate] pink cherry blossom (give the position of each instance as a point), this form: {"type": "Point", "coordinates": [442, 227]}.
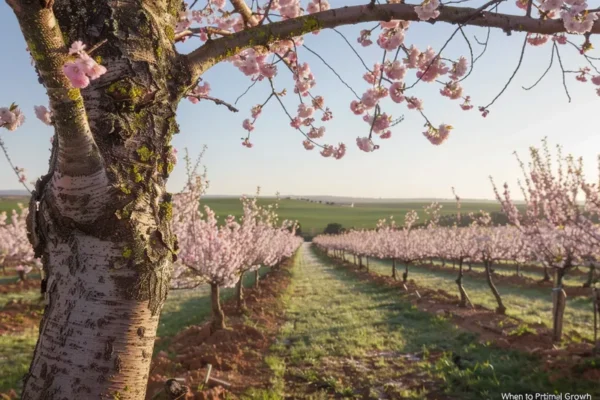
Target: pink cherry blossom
{"type": "Point", "coordinates": [76, 75]}
{"type": "Point", "coordinates": [43, 114]}
{"type": "Point", "coordinates": [428, 10]}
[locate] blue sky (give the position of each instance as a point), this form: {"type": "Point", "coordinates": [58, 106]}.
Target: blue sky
{"type": "Point", "coordinates": [406, 165]}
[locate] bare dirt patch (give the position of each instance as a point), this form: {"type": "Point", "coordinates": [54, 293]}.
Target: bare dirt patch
{"type": "Point", "coordinates": [21, 286]}
{"type": "Point", "coordinates": [236, 354]}
{"type": "Point", "coordinates": [17, 316]}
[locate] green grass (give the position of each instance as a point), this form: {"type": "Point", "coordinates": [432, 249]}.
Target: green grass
{"type": "Point", "coordinates": [314, 217]}
{"type": "Point", "coordinates": [334, 318]}
{"type": "Point", "coordinates": [182, 308]}
{"type": "Point", "coordinates": [531, 305]}
{"type": "Point", "coordinates": [15, 356]}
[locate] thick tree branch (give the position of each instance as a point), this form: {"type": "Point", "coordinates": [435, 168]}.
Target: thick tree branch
{"type": "Point", "coordinates": [245, 11]}
{"type": "Point", "coordinates": [211, 53]}
{"type": "Point", "coordinates": [77, 154]}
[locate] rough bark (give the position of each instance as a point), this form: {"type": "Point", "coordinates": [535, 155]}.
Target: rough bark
{"type": "Point", "coordinates": [100, 218]}
{"type": "Point", "coordinates": [256, 278]}
{"type": "Point", "coordinates": [488, 276]}
{"type": "Point", "coordinates": [218, 316]}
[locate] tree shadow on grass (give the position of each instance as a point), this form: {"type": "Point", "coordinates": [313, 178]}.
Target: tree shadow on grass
{"type": "Point", "coordinates": [469, 369]}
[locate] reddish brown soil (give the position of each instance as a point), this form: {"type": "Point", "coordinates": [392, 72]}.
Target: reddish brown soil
{"type": "Point", "coordinates": [513, 280]}
{"type": "Point", "coordinates": [496, 328]}
{"type": "Point", "coordinates": [17, 316]}
{"type": "Point", "coordinates": [236, 354]}
{"type": "Point", "coordinates": [21, 286]}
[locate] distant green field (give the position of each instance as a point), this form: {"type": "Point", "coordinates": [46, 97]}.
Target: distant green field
{"type": "Point", "coordinates": [314, 217]}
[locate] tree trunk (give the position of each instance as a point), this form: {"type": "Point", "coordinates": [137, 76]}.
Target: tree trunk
{"type": "Point", "coordinates": [354, 255]}
{"type": "Point", "coordinates": [22, 276]}
{"type": "Point", "coordinates": [559, 301]}
{"type": "Point", "coordinates": [518, 269]}
{"type": "Point", "coordinates": [256, 278]}
{"type": "Point", "coordinates": [443, 262]}
{"type": "Point", "coordinates": [367, 263]}
{"type": "Point", "coordinates": [470, 267]}
{"type": "Point", "coordinates": [590, 279]}
{"type": "Point", "coordinates": [488, 276]}
{"type": "Point", "coordinates": [596, 304]}
{"type": "Point", "coordinates": [394, 269]}
{"type": "Point", "coordinates": [239, 293]}
{"type": "Point", "coordinates": [546, 274]}
{"type": "Point", "coordinates": [405, 274]}
{"type": "Point", "coordinates": [100, 218]}
{"type": "Point", "coordinates": [218, 316]}
{"type": "Point", "coordinates": [464, 297]}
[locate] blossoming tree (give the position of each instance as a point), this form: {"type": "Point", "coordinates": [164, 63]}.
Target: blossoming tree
{"type": "Point", "coordinates": [114, 79]}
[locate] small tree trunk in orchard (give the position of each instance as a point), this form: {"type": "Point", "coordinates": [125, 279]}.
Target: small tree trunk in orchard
{"type": "Point", "coordinates": [218, 316]}
{"type": "Point", "coordinates": [22, 276]}
{"type": "Point", "coordinates": [405, 274]}
{"type": "Point", "coordinates": [354, 255]}
{"type": "Point", "coordinates": [360, 264]}
{"type": "Point", "coordinates": [559, 301]}
{"type": "Point", "coordinates": [596, 304]}
{"type": "Point", "coordinates": [546, 274]}
{"type": "Point", "coordinates": [470, 267]}
{"type": "Point", "coordinates": [239, 293]}
{"type": "Point", "coordinates": [394, 269]}
{"type": "Point", "coordinates": [443, 262]}
{"type": "Point", "coordinates": [488, 276]}
{"type": "Point", "coordinates": [453, 264]}
{"type": "Point", "coordinates": [256, 278]}
{"type": "Point", "coordinates": [367, 263]}
{"type": "Point", "coordinates": [590, 278]}
{"type": "Point", "coordinates": [464, 297]}
{"type": "Point", "coordinates": [518, 269]}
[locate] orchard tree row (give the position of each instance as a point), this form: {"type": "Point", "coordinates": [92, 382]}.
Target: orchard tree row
{"type": "Point", "coordinates": [554, 229]}
{"type": "Point", "coordinates": [219, 254]}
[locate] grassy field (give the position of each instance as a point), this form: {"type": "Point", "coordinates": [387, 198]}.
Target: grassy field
{"type": "Point", "coordinates": [347, 336]}
{"type": "Point", "coordinates": [531, 305]}
{"type": "Point", "coordinates": [314, 217]}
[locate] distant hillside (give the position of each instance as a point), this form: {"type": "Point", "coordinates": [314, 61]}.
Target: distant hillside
{"type": "Point", "coordinates": [335, 199]}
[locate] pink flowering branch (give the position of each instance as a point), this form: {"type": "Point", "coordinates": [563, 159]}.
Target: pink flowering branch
{"type": "Point", "coordinates": [78, 153]}
{"type": "Point", "coordinates": [211, 53]}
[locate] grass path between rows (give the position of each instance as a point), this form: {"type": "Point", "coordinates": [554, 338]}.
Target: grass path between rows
{"type": "Point", "coordinates": [531, 305]}
{"type": "Point", "coordinates": [350, 338]}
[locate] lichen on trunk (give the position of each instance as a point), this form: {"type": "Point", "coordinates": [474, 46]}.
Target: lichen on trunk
{"type": "Point", "coordinates": [100, 218]}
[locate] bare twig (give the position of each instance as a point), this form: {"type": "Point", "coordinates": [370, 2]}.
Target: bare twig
{"type": "Point", "coordinates": [545, 72]}
{"type": "Point", "coordinates": [332, 70]}
{"type": "Point", "coordinates": [564, 79]}
{"type": "Point", "coordinates": [216, 101]}
{"type": "Point", "coordinates": [513, 74]}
